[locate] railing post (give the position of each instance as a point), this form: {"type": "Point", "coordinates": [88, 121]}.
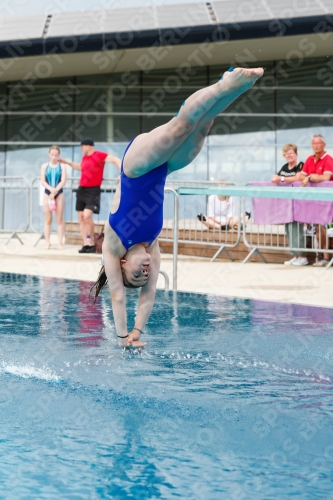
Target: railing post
{"type": "Point", "coordinates": [175, 235]}
{"type": "Point", "coordinates": [166, 278]}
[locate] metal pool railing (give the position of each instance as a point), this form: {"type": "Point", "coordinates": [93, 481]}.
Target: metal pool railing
{"type": "Point", "coordinates": [14, 206]}
{"type": "Point", "coordinates": [271, 237]}
{"type": "Point", "coordinates": [21, 208]}
{"type": "Point", "coordinates": [175, 230]}
{"type": "Point", "coordinates": [195, 223]}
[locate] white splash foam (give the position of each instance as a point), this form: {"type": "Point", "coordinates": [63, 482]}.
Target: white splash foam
{"type": "Point", "coordinates": [290, 371]}
{"type": "Point", "coordinates": [31, 372]}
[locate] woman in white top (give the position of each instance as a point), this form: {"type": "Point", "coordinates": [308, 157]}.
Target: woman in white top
{"type": "Point", "coordinates": [220, 212]}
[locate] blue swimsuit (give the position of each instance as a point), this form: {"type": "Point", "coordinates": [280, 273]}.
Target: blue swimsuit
{"type": "Point", "coordinates": [139, 218]}
{"type": "Point", "coordinates": [53, 177]}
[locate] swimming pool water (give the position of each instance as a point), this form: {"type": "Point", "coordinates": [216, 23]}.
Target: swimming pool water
{"type": "Point", "coordinates": [232, 398]}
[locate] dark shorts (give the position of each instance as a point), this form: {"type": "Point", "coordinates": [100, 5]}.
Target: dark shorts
{"type": "Point", "coordinates": [88, 197]}
{"type": "Point", "coordinates": [56, 196]}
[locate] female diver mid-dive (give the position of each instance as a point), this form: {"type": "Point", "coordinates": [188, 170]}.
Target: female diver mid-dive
{"type": "Point", "coordinates": [130, 249]}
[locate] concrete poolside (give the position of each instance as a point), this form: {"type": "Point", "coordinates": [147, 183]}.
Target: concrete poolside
{"type": "Point", "coordinates": [276, 282]}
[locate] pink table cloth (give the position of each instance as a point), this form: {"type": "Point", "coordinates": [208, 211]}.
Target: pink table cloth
{"type": "Point", "coordinates": [280, 211]}
{"type": "Point", "coordinates": [313, 212]}
{"type": "Point", "coordinates": [271, 210]}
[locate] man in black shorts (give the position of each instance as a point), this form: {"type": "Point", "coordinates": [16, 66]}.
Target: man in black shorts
{"type": "Point", "coordinates": [89, 192]}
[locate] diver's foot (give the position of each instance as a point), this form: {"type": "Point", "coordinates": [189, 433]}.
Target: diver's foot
{"type": "Point", "coordinates": [240, 79]}
{"type": "Point", "coordinates": [47, 246]}
{"type": "Point", "coordinates": [60, 247]}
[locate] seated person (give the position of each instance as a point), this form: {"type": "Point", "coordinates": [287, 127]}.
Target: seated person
{"type": "Point", "coordinates": [291, 172]}
{"type": "Point", "coordinates": [220, 212]}
{"type": "Point", "coordinates": [318, 168]}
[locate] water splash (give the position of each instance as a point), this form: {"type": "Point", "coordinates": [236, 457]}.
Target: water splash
{"type": "Point", "coordinates": [30, 372]}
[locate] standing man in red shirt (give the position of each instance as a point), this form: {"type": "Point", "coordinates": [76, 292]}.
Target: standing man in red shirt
{"type": "Point", "coordinates": [318, 168]}
{"type": "Point", "coordinates": [89, 192]}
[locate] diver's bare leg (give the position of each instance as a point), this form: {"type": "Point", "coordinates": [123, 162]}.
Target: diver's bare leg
{"type": "Point", "coordinates": [192, 145]}
{"type": "Point", "coordinates": [150, 150]}
{"type": "Point", "coordinates": [190, 148]}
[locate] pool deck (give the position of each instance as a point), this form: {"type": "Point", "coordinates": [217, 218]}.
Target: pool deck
{"type": "Point", "coordinates": [276, 282]}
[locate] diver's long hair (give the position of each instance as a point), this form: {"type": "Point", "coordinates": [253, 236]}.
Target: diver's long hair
{"type": "Point", "coordinates": [102, 281]}
{"type": "Point", "coordinates": [99, 283]}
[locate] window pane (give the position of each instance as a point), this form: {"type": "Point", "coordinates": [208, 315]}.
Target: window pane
{"type": "Point", "coordinates": [108, 127]}
{"type": "Point", "coordinates": [62, 80]}
{"type": "Point", "coordinates": [305, 101]}
{"type": "Point", "coordinates": [92, 79]}
{"type": "Point", "coordinates": [90, 99]}
{"type": "Point", "coordinates": [38, 128]}
{"type": "Point", "coordinates": [250, 163]}
{"type": "Point", "coordinates": [159, 100]}
{"type": "Point", "coordinates": [2, 160]}
{"type": "Point", "coordinates": [125, 128]}
{"type": "Point", "coordinates": [197, 77]}
{"type": "Point", "coordinates": [305, 72]}
{"type": "Point", "coordinates": [103, 128]}
{"type": "Point", "coordinates": [113, 98]}
{"type": "Point", "coordinates": [2, 128]}
{"type": "Point", "coordinates": [301, 130]}
{"type": "Point", "coordinates": [255, 100]}
{"type": "Point", "coordinates": [125, 99]}
{"type": "Point", "coordinates": [170, 88]}
{"type": "Point", "coordinates": [107, 79]}
{"type": "Point", "coordinates": [93, 125]}
{"type": "Point", "coordinates": [35, 98]}
{"type": "Point", "coordinates": [242, 129]}
{"type": "Point", "coordinates": [2, 124]}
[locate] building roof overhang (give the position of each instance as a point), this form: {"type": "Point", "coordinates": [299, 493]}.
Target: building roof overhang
{"type": "Point", "coordinates": [165, 35]}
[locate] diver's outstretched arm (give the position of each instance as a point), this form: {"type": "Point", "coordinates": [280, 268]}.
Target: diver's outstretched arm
{"type": "Point", "coordinates": [118, 298]}
{"type": "Point", "coordinates": [147, 296]}
{"type": "Point", "coordinates": [116, 286]}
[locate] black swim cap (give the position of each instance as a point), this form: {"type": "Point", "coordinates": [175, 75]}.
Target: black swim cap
{"type": "Point", "coordinates": [87, 142]}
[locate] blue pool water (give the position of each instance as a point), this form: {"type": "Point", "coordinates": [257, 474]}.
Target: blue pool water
{"type": "Point", "coordinates": [232, 398]}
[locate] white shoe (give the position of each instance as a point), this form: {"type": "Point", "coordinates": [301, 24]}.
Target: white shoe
{"type": "Point", "coordinates": [300, 261]}
{"type": "Point", "coordinates": [290, 262]}
{"type": "Point", "coordinates": [321, 263]}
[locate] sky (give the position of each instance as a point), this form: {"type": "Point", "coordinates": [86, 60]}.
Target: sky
{"type": "Point", "coordinates": [10, 8]}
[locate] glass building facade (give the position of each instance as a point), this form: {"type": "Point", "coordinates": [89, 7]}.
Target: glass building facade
{"type": "Point", "coordinates": [291, 103]}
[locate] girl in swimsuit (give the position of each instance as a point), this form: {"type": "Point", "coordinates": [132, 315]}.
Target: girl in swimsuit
{"type": "Point", "coordinates": [53, 178]}
{"type": "Point", "coordinates": [130, 249]}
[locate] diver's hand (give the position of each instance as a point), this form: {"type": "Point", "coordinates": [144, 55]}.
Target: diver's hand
{"type": "Point", "coordinates": [132, 340]}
